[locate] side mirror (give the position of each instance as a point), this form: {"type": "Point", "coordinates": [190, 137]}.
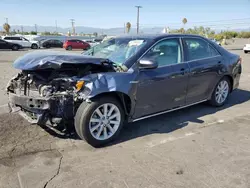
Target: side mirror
{"type": "Point", "coordinates": [147, 64]}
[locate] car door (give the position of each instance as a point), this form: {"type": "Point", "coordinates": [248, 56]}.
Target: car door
{"type": "Point", "coordinates": [57, 43]}
{"type": "Point", "coordinates": [25, 42]}
{"type": "Point", "coordinates": [165, 87]}
{"type": "Point", "coordinates": [204, 62]}
{"type": "Point", "coordinates": [79, 44]}
{"type": "Point", "coordinates": [3, 44]}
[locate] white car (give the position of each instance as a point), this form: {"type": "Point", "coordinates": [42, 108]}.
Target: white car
{"type": "Point", "coordinates": [25, 43]}
{"type": "Point", "coordinates": [246, 48]}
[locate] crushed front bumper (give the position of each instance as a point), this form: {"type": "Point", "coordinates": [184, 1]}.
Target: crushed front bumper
{"type": "Point", "coordinates": [31, 108]}
{"type": "Point", "coordinates": [39, 110]}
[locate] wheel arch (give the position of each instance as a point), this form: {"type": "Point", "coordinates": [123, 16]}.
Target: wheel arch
{"type": "Point", "coordinates": [230, 78]}
{"type": "Point", "coordinates": [123, 98]}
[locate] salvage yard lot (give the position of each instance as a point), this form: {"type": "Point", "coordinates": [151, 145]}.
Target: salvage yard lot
{"type": "Point", "coordinates": [200, 146]}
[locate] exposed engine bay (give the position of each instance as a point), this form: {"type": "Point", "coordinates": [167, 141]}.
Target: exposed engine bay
{"type": "Point", "coordinates": [51, 96]}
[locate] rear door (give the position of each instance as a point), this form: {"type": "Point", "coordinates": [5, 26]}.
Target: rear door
{"type": "Point", "coordinates": [205, 62]}
{"type": "Point", "coordinates": [3, 44]}
{"type": "Point", "coordinates": [165, 87]}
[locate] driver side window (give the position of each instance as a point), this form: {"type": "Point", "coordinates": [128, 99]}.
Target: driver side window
{"type": "Point", "coordinates": [166, 52]}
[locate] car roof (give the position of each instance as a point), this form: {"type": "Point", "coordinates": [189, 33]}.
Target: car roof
{"type": "Point", "coordinates": [156, 36]}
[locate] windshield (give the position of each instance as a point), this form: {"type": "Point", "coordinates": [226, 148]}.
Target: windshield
{"type": "Point", "coordinates": [117, 50]}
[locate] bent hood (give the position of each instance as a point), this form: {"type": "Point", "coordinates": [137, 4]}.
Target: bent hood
{"type": "Point", "coordinates": [55, 60]}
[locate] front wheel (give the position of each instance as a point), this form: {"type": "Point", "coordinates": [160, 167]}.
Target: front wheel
{"type": "Point", "coordinates": [69, 48]}
{"type": "Point", "coordinates": [221, 92]}
{"type": "Point", "coordinates": [245, 52]}
{"type": "Point", "coordinates": [100, 121]}
{"type": "Point", "coordinates": [34, 46]}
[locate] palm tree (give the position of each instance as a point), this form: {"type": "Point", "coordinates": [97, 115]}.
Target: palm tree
{"type": "Point", "coordinates": [184, 21]}
{"type": "Point", "coordinates": [128, 27]}
{"type": "Point", "coordinates": [6, 27]}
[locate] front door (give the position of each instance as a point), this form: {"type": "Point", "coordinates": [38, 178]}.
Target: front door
{"type": "Point", "coordinates": [165, 87]}
{"type": "Point", "coordinates": [204, 62]}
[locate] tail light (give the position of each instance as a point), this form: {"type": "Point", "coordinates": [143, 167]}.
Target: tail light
{"type": "Point", "coordinates": [240, 61]}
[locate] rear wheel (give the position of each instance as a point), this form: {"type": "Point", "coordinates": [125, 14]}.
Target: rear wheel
{"type": "Point", "coordinates": [221, 92]}
{"type": "Point", "coordinates": [15, 48]}
{"type": "Point", "coordinates": [100, 121]}
{"type": "Point", "coordinates": [69, 48]}
{"type": "Point", "coordinates": [245, 51]}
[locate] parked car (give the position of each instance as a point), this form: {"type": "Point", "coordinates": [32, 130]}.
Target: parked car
{"type": "Point", "coordinates": [25, 43]}
{"type": "Point", "coordinates": [52, 43]}
{"type": "Point", "coordinates": [246, 48]}
{"type": "Point", "coordinates": [75, 44]}
{"type": "Point", "coordinates": [8, 45]}
{"type": "Point", "coordinates": [125, 80]}
{"type": "Point", "coordinates": [91, 42]}
{"type": "Point", "coordinates": [217, 42]}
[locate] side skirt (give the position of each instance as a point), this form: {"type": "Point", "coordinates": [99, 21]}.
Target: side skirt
{"type": "Point", "coordinates": [167, 111]}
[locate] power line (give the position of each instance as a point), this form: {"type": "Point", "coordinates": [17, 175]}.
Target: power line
{"type": "Point", "coordinates": [201, 22]}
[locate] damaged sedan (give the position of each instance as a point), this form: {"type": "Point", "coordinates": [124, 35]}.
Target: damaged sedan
{"type": "Point", "coordinates": [124, 79]}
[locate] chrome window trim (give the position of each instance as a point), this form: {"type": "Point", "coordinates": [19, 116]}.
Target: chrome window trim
{"type": "Point", "coordinates": [183, 38]}
{"type": "Point", "coordinates": [203, 59]}
{"type": "Point", "coordinates": [166, 38]}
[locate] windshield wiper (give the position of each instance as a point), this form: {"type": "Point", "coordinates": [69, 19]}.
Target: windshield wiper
{"type": "Point", "coordinates": [120, 68]}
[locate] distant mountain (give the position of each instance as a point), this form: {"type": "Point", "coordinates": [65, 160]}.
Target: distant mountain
{"type": "Point", "coordinates": [90, 30]}
{"type": "Point", "coordinates": [82, 29]}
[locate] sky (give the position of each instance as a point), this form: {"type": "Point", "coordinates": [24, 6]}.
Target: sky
{"type": "Point", "coordinates": [114, 13]}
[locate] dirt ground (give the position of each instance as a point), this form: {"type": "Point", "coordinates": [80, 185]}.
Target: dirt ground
{"type": "Point", "coordinates": [200, 146]}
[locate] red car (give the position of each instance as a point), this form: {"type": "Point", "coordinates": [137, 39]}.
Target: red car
{"type": "Point", "coordinates": [75, 44]}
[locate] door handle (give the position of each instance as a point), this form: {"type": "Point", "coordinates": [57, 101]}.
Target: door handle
{"type": "Point", "coordinates": [182, 71]}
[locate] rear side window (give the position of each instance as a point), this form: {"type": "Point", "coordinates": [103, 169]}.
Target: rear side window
{"type": "Point", "coordinates": [198, 49]}
{"type": "Point", "coordinates": [12, 38]}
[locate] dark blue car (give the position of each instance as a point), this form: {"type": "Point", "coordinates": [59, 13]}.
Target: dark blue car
{"type": "Point", "coordinates": [124, 79]}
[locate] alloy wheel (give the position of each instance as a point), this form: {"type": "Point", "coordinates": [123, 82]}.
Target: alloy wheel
{"type": "Point", "coordinates": [105, 121]}
{"type": "Point", "coordinates": [222, 91]}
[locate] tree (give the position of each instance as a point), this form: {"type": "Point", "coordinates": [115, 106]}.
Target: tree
{"type": "Point", "coordinates": [6, 27]}
{"type": "Point", "coordinates": [184, 21]}
{"type": "Point", "coordinates": [33, 33]}
{"type": "Point", "coordinates": [128, 27]}
{"type": "Point", "coordinates": [95, 34]}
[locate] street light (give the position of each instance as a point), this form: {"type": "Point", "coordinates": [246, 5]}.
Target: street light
{"type": "Point", "coordinates": [138, 17]}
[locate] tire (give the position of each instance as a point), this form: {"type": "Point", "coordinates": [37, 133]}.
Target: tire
{"type": "Point", "coordinates": [83, 123]}
{"type": "Point", "coordinates": [15, 48]}
{"type": "Point", "coordinates": [34, 46]}
{"type": "Point", "coordinates": [69, 48]}
{"type": "Point", "coordinates": [245, 51]}
{"type": "Point", "coordinates": [214, 101]}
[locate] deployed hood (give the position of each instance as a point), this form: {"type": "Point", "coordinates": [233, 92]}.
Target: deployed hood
{"type": "Point", "coordinates": [55, 60]}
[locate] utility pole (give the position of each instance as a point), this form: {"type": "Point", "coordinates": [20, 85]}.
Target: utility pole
{"type": "Point", "coordinates": [138, 17]}
{"type": "Point", "coordinates": [73, 26]}
{"type": "Point", "coordinates": [36, 28]}
{"type": "Point", "coordinates": [22, 29]}
{"type": "Point", "coordinates": [56, 25]}
{"type": "Point", "coordinates": [6, 20]}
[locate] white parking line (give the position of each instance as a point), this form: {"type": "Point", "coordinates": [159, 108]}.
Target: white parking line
{"type": "Point", "coordinates": [169, 139]}
{"type": "Point", "coordinates": [3, 106]}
